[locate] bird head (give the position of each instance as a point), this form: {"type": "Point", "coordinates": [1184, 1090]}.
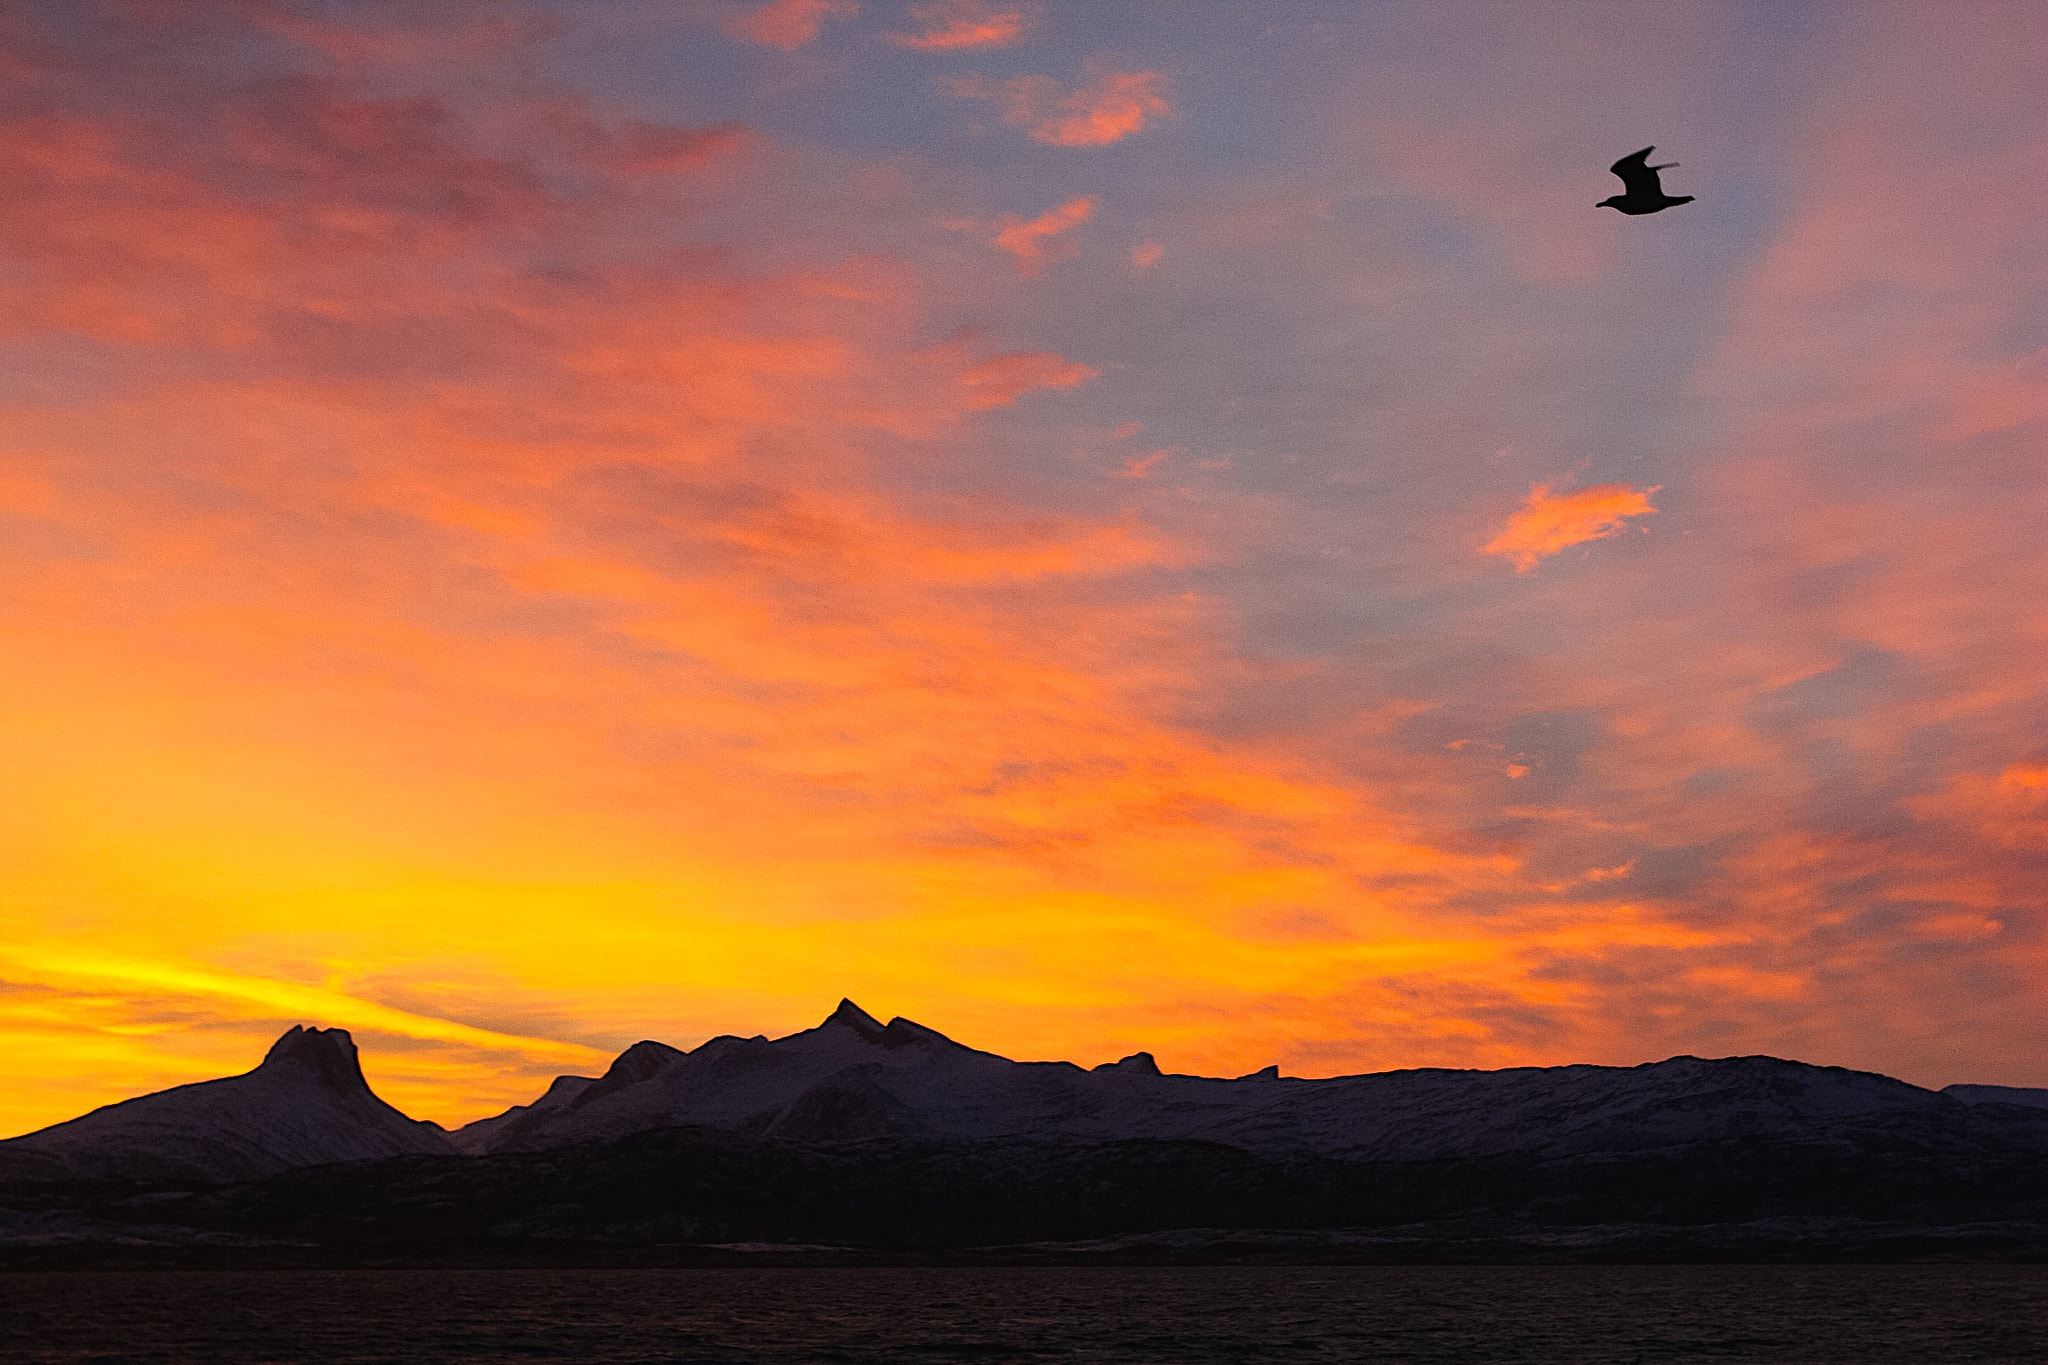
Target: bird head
{"type": "Point", "coordinates": [1611, 201]}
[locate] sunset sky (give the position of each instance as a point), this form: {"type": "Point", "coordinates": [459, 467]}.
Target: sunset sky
{"type": "Point", "coordinates": [1092, 525]}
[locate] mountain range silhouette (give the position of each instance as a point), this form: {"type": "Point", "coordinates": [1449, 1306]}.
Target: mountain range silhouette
{"type": "Point", "coordinates": [859, 1133]}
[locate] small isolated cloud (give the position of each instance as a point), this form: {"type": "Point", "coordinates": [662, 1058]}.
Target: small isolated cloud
{"type": "Point", "coordinates": [1001, 380]}
{"type": "Point", "coordinates": [788, 24]}
{"type": "Point", "coordinates": [1115, 106]}
{"type": "Point", "coordinates": [957, 25]}
{"type": "Point", "coordinates": [1036, 242]}
{"type": "Point", "coordinates": [1549, 522]}
{"type": "Point", "coordinates": [1145, 255]}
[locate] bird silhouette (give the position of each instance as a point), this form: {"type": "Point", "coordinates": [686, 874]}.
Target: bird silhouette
{"type": "Point", "coordinates": [1645, 191]}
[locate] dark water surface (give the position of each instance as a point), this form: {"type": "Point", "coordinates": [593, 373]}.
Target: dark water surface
{"type": "Point", "coordinates": [1475, 1315]}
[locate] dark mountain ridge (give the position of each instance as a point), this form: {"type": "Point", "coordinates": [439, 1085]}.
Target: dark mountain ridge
{"type": "Point", "coordinates": [854, 1078]}
{"type": "Point", "coordinates": [893, 1139]}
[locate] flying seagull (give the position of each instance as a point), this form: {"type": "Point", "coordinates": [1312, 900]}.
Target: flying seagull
{"type": "Point", "coordinates": [1645, 190]}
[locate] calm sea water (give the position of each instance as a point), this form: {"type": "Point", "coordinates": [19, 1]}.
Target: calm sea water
{"type": "Point", "coordinates": [1470, 1315]}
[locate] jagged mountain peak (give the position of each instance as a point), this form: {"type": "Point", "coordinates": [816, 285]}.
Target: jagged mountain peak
{"type": "Point", "coordinates": [898, 1032]}
{"type": "Point", "coordinates": [328, 1054]}
{"type": "Point", "coordinates": [852, 1016]}
{"type": "Point", "coordinates": [306, 1104]}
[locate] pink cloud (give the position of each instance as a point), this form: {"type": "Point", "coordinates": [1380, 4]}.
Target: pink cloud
{"type": "Point", "coordinates": [1117, 105]}
{"type": "Point", "coordinates": [1036, 242]}
{"type": "Point", "coordinates": [958, 25]}
{"type": "Point", "coordinates": [788, 24]}
{"type": "Point", "coordinates": [1550, 522]}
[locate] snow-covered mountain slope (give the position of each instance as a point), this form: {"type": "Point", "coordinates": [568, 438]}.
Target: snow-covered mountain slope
{"type": "Point", "coordinates": [476, 1138]}
{"type": "Point", "coordinates": [2025, 1096]}
{"type": "Point", "coordinates": [307, 1104]}
{"type": "Point", "coordinates": [853, 1077]}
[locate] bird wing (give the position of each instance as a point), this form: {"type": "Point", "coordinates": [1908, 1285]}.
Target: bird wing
{"type": "Point", "coordinates": [1638, 176]}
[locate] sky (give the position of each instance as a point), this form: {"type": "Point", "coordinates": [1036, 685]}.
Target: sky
{"type": "Point", "coordinates": [1094, 525]}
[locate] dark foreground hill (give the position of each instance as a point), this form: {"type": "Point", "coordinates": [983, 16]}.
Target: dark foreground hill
{"type": "Point", "coordinates": [1978, 1190]}
{"type": "Point", "coordinates": [858, 1140]}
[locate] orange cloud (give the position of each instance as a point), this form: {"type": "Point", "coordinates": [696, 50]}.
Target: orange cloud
{"type": "Point", "coordinates": [1035, 242]}
{"type": "Point", "coordinates": [1550, 522]}
{"type": "Point", "coordinates": [957, 25]}
{"type": "Point", "coordinates": [1117, 105]}
{"type": "Point", "coordinates": [788, 24]}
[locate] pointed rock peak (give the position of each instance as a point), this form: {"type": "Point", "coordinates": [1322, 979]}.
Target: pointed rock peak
{"type": "Point", "coordinates": [329, 1054]}
{"type": "Point", "coordinates": [1264, 1073]}
{"type": "Point", "coordinates": [1140, 1062]}
{"type": "Point", "coordinates": [850, 1015]}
